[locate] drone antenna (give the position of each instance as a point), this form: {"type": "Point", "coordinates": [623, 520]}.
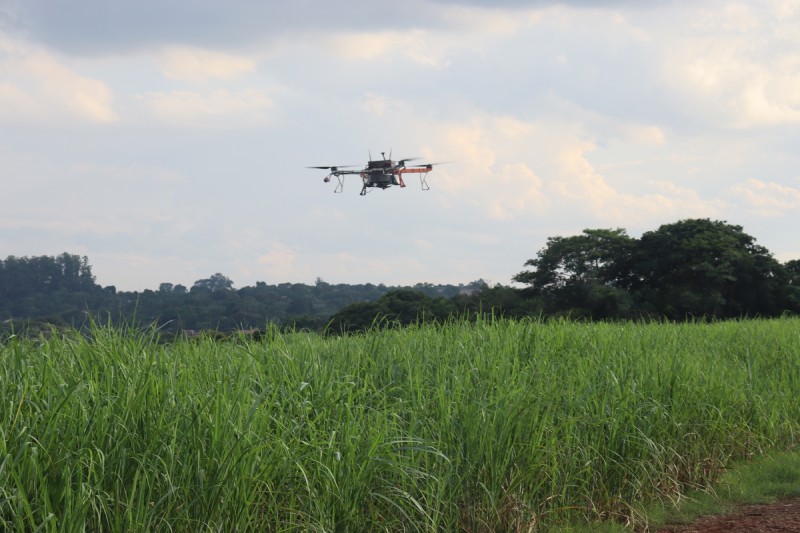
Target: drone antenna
{"type": "Point", "coordinates": [383, 155]}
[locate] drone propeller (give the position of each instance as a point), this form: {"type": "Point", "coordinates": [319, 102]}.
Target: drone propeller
{"type": "Point", "coordinates": [427, 165]}
{"type": "Point", "coordinates": [333, 168]}
{"type": "Point", "coordinates": [402, 162]}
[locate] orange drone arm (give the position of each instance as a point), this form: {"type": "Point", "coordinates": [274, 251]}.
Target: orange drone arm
{"type": "Point", "coordinates": [413, 170]}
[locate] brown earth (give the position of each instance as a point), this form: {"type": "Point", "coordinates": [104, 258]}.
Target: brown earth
{"type": "Point", "coordinates": [782, 516]}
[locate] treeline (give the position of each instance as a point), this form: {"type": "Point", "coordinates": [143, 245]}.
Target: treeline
{"type": "Point", "coordinates": [691, 269]}
{"type": "Point", "coordinates": [695, 268]}
{"type": "Point", "coordinates": [39, 293]}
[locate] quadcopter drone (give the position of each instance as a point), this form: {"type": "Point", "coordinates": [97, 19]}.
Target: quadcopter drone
{"type": "Point", "coordinates": [381, 173]}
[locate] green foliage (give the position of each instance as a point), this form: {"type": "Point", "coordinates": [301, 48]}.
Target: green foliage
{"type": "Point", "coordinates": [61, 291]}
{"type": "Point", "coordinates": [396, 308]}
{"type": "Point", "coordinates": [708, 268]}
{"type": "Point", "coordinates": [691, 268]}
{"type": "Point", "coordinates": [585, 275]}
{"type": "Point", "coordinates": [471, 426]}
{"type": "Point", "coordinates": [597, 256]}
{"type": "Point", "coordinates": [216, 282]}
{"type": "Point", "coordinates": [35, 287]}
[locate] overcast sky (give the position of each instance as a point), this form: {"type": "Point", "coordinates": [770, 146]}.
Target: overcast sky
{"type": "Point", "coordinates": [167, 140]}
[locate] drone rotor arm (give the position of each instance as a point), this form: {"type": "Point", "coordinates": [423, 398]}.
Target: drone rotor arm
{"type": "Point", "coordinates": [422, 170]}
{"type": "Point", "coordinates": [338, 172]}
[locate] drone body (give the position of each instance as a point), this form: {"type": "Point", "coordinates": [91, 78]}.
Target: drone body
{"type": "Point", "coordinates": [380, 173]}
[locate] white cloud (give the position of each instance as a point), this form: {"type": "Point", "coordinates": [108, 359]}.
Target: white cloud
{"type": "Point", "coordinates": [646, 135]}
{"type": "Point", "coordinates": [740, 66]}
{"type": "Point", "coordinates": [278, 263]}
{"type": "Point", "coordinates": [215, 107]}
{"type": "Point", "coordinates": [14, 102]}
{"type": "Point", "coordinates": [196, 65]}
{"type": "Point", "coordinates": [580, 183]}
{"type": "Point", "coordinates": [418, 46]}
{"type": "Point", "coordinates": [768, 199]}
{"type": "Point", "coordinates": [492, 22]}
{"type": "Point", "coordinates": [473, 146]}
{"type": "Point", "coordinates": [93, 199]}
{"type": "Point", "coordinates": [517, 190]}
{"type": "Point", "coordinates": [377, 104]}
{"type": "Point", "coordinates": [38, 87]}
{"type": "Point", "coordinates": [512, 168]}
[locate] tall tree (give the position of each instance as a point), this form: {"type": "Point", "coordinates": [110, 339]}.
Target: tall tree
{"type": "Point", "coordinates": [711, 268]}
{"type": "Point", "coordinates": [216, 282]}
{"type": "Point", "coordinates": [595, 256]}
{"type": "Point", "coordinates": [585, 274]}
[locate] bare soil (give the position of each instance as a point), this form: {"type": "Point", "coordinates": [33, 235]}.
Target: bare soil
{"type": "Point", "coordinates": [782, 516]}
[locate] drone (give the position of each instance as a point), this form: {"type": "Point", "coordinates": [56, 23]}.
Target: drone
{"type": "Point", "coordinates": [379, 173]}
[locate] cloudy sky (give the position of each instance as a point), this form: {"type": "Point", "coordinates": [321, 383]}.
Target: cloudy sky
{"type": "Point", "coordinates": [167, 140]}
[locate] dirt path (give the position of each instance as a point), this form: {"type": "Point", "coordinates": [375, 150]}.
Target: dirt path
{"type": "Point", "coordinates": [780, 517]}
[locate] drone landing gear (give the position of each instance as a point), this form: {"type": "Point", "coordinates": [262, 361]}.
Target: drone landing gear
{"type": "Point", "coordinates": [423, 181]}
{"type": "Point", "coordinates": [340, 185]}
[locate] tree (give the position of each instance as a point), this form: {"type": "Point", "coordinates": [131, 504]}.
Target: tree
{"type": "Point", "coordinates": [793, 293]}
{"type": "Point", "coordinates": [595, 256]}
{"type": "Point", "coordinates": [406, 306]}
{"type": "Point", "coordinates": [693, 267]}
{"type": "Point", "coordinates": [498, 301]}
{"type": "Point", "coordinates": [702, 267]}
{"type": "Point", "coordinates": [216, 282]}
{"type": "Point", "coordinates": [793, 271]}
{"type": "Point", "coordinates": [399, 307]}
{"type": "Point", "coordinates": [24, 276]}
{"type": "Point", "coordinates": [75, 272]}
{"type": "Point", "coordinates": [586, 274]}
{"type": "Point", "coordinates": [355, 317]}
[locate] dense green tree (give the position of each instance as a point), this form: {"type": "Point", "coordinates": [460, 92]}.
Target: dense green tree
{"type": "Point", "coordinates": [499, 300]}
{"type": "Point", "coordinates": [359, 316]}
{"type": "Point", "coordinates": [595, 256]}
{"type": "Point", "coordinates": [583, 275]}
{"type": "Point", "coordinates": [694, 267]}
{"type": "Point", "coordinates": [395, 308]}
{"type": "Point", "coordinates": [216, 282]}
{"type": "Point", "coordinates": [406, 306]}
{"type": "Point", "coordinates": [792, 269]}
{"type": "Point", "coordinates": [700, 267]}
{"type": "Point", "coordinates": [34, 287]}
{"type": "Point", "coordinates": [23, 276]}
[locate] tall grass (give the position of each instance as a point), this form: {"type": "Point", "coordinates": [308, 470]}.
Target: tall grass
{"type": "Point", "coordinates": [492, 426]}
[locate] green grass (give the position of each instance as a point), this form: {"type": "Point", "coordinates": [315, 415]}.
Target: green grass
{"type": "Point", "coordinates": [491, 426]}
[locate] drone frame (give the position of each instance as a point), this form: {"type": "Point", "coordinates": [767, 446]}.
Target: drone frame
{"type": "Point", "coordinates": [380, 174]}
